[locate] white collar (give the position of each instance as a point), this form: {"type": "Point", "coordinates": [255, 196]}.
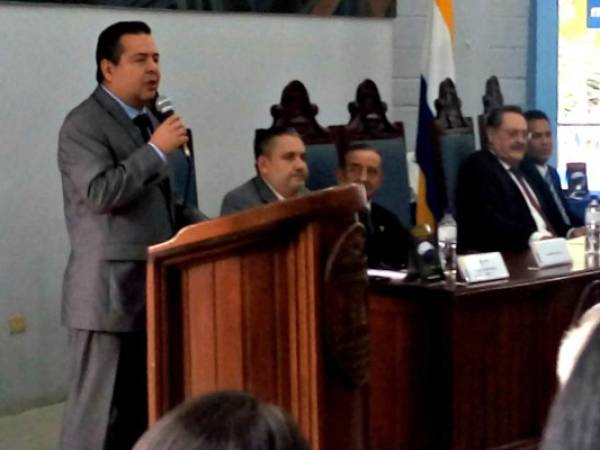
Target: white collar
{"type": "Point", "coordinates": [131, 112]}
{"type": "Point", "coordinates": [277, 194]}
{"type": "Point", "coordinates": [543, 169]}
{"type": "Point", "coordinates": [502, 162]}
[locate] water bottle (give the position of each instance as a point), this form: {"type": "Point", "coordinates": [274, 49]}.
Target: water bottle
{"type": "Point", "coordinates": [447, 244]}
{"type": "Point", "coordinates": [592, 228]}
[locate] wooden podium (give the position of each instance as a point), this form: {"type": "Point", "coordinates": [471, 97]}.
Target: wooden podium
{"type": "Point", "coordinates": [270, 301]}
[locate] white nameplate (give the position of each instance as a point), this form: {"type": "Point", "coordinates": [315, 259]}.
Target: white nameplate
{"type": "Point", "coordinates": [482, 267]}
{"type": "Point", "coordinates": [551, 252]}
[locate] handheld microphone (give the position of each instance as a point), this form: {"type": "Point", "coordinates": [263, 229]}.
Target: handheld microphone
{"type": "Point", "coordinates": [164, 108]}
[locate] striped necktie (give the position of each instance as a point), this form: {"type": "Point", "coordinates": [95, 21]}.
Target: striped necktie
{"type": "Point", "coordinates": [532, 199]}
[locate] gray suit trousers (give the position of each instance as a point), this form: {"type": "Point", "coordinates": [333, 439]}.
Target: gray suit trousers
{"type": "Point", "coordinates": [107, 405]}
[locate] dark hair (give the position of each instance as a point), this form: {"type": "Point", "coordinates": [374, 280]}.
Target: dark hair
{"type": "Point", "coordinates": [574, 422]}
{"type": "Point", "coordinates": [264, 136]}
{"type": "Point", "coordinates": [109, 43]}
{"type": "Point", "coordinates": [536, 114]}
{"type": "Point", "coordinates": [353, 148]}
{"type": "Point", "coordinates": [494, 118]}
{"type": "Point", "coordinates": [227, 420]}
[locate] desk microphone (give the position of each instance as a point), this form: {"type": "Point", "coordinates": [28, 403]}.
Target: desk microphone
{"type": "Point", "coordinates": [424, 261]}
{"type": "Point", "coordinates": [164, 108]}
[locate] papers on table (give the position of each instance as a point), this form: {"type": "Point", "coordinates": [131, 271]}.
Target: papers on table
{"type": "Point", "coordinates": [391, 276]}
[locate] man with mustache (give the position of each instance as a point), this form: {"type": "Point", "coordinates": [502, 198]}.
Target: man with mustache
{"type": "Point", "coordinates": [498, 208]}
{"type": "Point", "coordinates": [118, 200]}
{"type": "Point", "coordinates": [387, 240]}
{"type": "Point", "coordinates": [281, 171]}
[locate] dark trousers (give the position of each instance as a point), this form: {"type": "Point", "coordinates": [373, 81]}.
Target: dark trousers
{"type": "Point", "coordinates": [106, 407]}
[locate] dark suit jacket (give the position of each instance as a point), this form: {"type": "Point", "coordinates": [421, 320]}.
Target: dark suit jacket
{"type": "Point", "coordinates": [491, 213]}
{"type": "Point", "coordinates": [387, 239]}
{"type": "Point", "coordinates": [529, 167]}
{"type": "Point", "coordinates": [252, 193]}
{"type": "Point", "coordinates": [117, 203]}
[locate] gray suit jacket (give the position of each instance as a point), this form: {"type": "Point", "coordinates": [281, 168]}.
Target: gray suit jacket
{"type": "Point", "coordinates": [117, 201]}
{"type": "Point", "coordinates": [252, 193]}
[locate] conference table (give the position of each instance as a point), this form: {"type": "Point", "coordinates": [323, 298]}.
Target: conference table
{"type": "Point", "coordinates": [469, 367]}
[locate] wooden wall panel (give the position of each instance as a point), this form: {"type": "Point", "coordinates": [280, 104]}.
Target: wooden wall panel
{"type": "Point", "coordinates": [229, 324]}
{"type": "Point", "coordinates": [302, 295]}
{"type": "Point", "coordinates": [503, 373]}
{"type": "Point", "coordinates": [262, 354]}
{"type": "Point", "coordinates": [400, 374]}
{"type": "Point", "coordinates": [200, 348]}
{"type": "Point", "coordinates": [471, 367]}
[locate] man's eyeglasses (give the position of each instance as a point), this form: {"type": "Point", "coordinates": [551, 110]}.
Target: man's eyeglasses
{"type": "Point", "coordinates": [514, 133]}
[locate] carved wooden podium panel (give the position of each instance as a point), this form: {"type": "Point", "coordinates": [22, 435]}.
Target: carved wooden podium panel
{"type": "Point", "coordinates": [238, 303]}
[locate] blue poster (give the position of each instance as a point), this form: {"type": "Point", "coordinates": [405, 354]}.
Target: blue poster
{"type": "Point", "coordinates": [593, 14]}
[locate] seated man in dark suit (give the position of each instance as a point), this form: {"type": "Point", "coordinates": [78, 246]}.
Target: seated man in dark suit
{"type": "Point", "coordinates": [498, 207]}
{"type": "Point", "coordinates": [535, 165]}
{"type": "Point", "coordinates": [281, 171]}
{"type": "Point", "coordinates": [387, 240]}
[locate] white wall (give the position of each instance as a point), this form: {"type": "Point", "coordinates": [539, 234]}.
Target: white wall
{"type": "Point", "coordinates": [490, 39]}
{"type": "Point", "coordinates": [222, 71]}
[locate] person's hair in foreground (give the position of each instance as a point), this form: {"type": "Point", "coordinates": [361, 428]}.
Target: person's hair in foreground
{"type": "Point", "coordinates": [574, 422]}
{"type": "Point", "coordinates": [227, 420]}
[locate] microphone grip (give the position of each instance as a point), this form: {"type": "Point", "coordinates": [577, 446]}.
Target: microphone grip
{"type": "Point", "coordinates": [163, 115]}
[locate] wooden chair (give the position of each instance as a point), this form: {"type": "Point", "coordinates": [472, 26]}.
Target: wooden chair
{"type": "Point", "coordinates": [492, 99]}
{"type": "Point", "coordinates": [454, 138]}
{"type": "Point", "coordinates": [368, 124]}
{"type": "Point", "coordinates": [297, 112]}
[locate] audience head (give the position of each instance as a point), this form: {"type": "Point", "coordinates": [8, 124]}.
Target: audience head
{"type": "Point", "coordinates": [127, 62]}
{"type": "Point", "coordinates": [540, 136]}
{"type": "Point", "coordinates": [279, 154]}
{"type": "Point", "coordinates": [225, 420]}
{"type": "Point", "coordinates": [361, 163]}
{"type": "Point", "coordinates": [574, 341]}
{"type": "Point", "coordinates": [574, 421]}
{"type": "Point", "coordinates": [507, 134]}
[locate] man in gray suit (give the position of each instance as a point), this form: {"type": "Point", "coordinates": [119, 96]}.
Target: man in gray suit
{"type": "Point", "coordinates": [281, 171]}
{"type": "Point", "coordinates": [117, 201]}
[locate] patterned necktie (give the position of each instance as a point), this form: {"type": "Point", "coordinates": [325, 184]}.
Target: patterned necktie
{"type": "Point", "coordinates": [142, 121]}
{"type": "Point", "coordinates": [557, 200]}
{"type": "Point", "coordinates": [531, 197]}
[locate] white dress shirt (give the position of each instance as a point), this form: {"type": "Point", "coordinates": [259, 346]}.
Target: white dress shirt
{"type": "Point", "coordinates": [540, 223]}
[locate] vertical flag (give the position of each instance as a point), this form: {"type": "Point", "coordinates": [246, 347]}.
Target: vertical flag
{"type": "Point", "coordinates": [438, 64]}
